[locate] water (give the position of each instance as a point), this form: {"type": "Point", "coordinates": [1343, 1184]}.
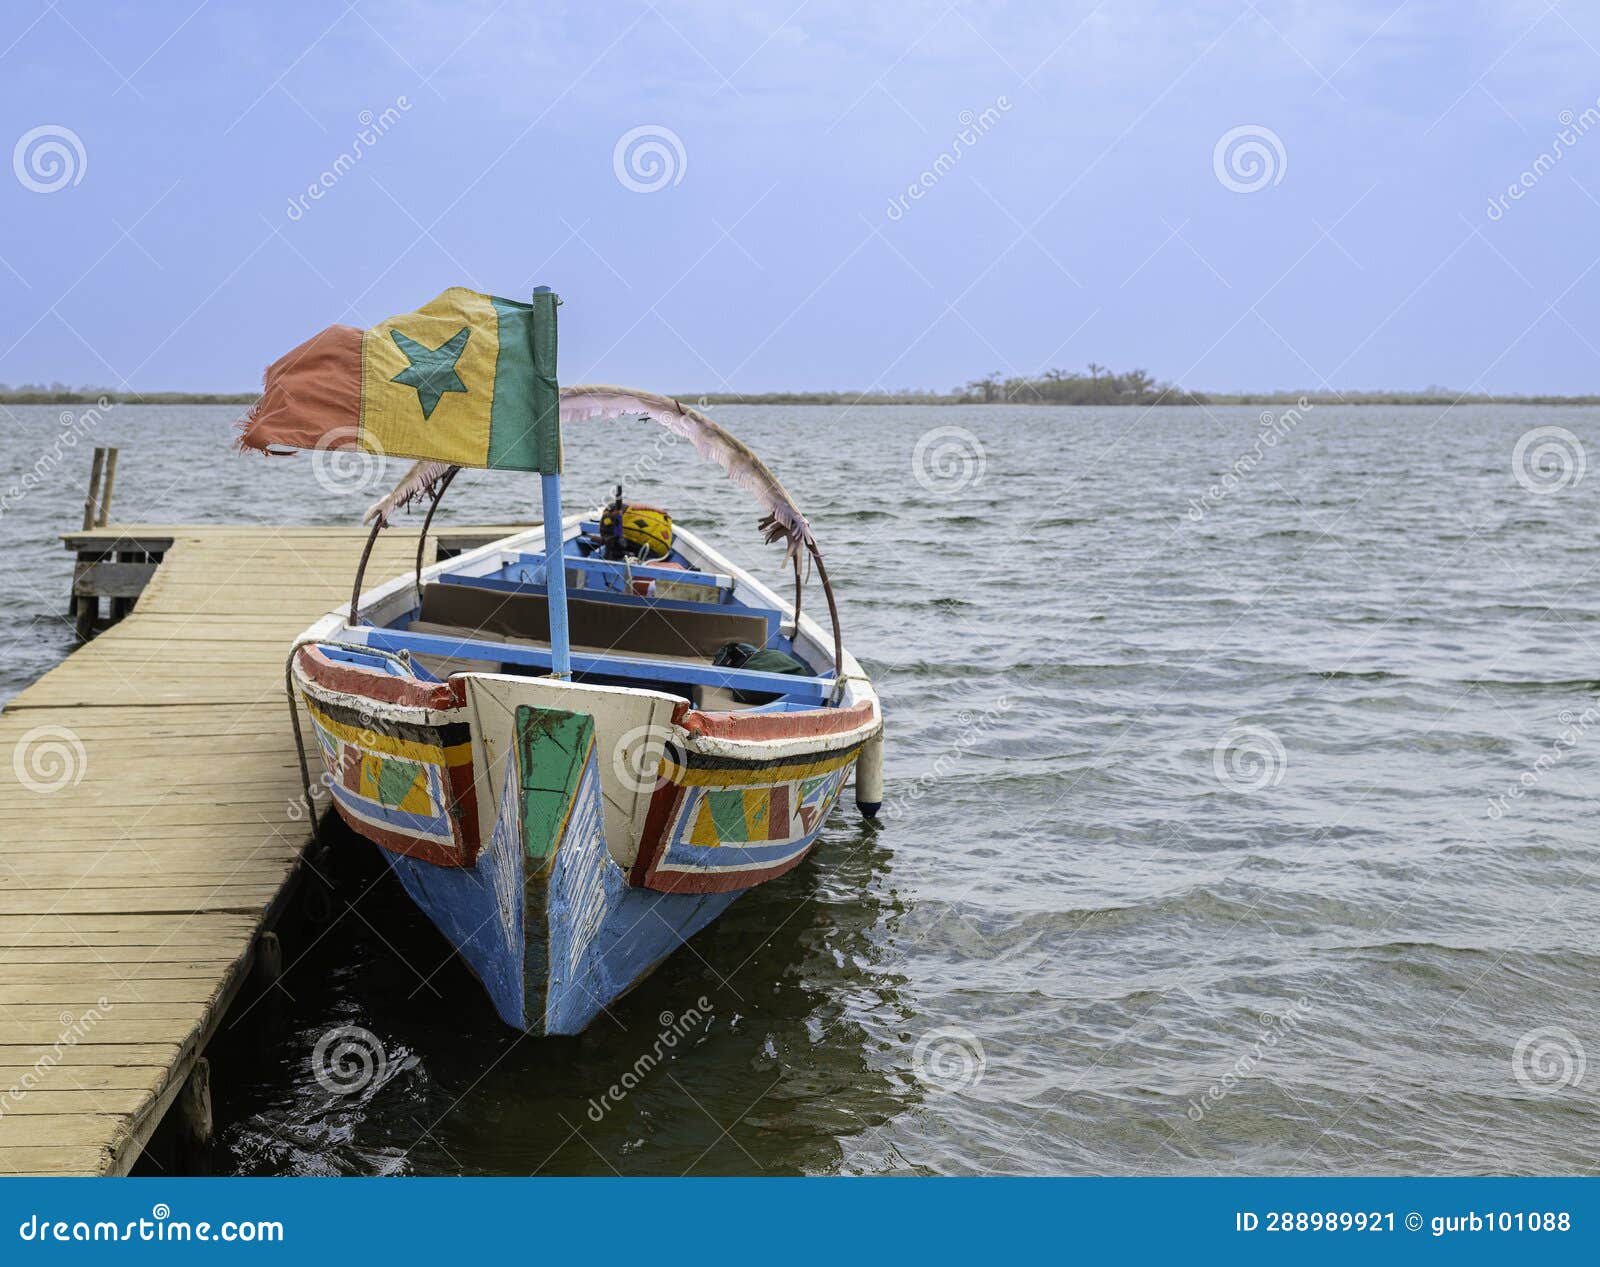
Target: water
{"type": "Point", "coordinates": [1189, 863]}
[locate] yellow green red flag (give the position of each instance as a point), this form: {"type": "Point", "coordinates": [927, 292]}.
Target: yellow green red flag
{"type": "Point", "coordinates": [468, 379]}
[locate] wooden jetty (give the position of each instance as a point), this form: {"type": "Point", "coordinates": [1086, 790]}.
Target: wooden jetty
{"type": "Point", "coordinates": [153, 826]}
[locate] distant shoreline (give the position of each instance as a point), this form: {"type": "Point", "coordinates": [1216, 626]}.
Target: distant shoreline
{"type": "Point", "coordinates": [1167, 397]}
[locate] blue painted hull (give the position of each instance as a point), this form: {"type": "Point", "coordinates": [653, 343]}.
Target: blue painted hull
{"type": "Point", "coordinates": [552, 927]}
{"type": "Point", "coordinates": [639, 929]}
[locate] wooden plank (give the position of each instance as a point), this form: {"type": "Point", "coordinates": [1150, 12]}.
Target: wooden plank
{"type": "Point", "coordinates": [100, 902]}
{"type": "Point", "coordinates": [54, 1160]}
{"type": "Point", "coordinates": [112, 580]}
{"type": "Point", "coordinates": [96, 1056]}
{"type": "Point", "coordinates": [117, 962]}
{"type": "Point", "coordinates": [95, 1016]}
{"type": "Point", "coordinates": [41, 1037]}
{"type": "Point", "coordinates": [110, 540]}
{"type": "Point", "coordinates": [115, 958]}
{"type": "Point", "coordinates": [56, 1129]}
{"type": "Point", "coordinates": [124, 1101]}
{"type": "Point", "coordinates": [86, 1077]}
{"type": "Point", "coordinates": [89, 992]}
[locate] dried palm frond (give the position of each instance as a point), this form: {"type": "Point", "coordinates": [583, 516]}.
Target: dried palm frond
{"type": "Point", "coordinates": [783, 522]}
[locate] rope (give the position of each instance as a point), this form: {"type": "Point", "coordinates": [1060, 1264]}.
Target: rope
{"type": "Point", "coordinates": [299, 738]}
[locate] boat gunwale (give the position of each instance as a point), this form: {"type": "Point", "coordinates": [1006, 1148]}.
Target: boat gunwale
{"type": "Point", "coordinates": [710, 731]}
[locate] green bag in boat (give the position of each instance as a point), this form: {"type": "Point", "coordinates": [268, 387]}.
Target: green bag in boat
{"type": "Point", "coordinates": [742, 655]}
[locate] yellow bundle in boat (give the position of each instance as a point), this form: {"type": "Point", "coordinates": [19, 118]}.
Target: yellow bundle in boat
{"type": "Point", "coordinates": [646, 530]}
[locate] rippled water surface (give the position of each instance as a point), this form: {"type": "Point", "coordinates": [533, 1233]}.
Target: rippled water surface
{"type": "Point", "coordinates": [1191, 860]}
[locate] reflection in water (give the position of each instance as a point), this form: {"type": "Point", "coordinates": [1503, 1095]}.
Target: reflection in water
{"type": "Point", "coordinates": [745, 1052]}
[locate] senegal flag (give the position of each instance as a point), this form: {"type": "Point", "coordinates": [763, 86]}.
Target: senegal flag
{"type": "Point", "coordinates": [467, 379]}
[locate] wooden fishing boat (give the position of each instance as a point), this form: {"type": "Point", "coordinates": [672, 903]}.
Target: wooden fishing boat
{"type": "Point", "coordinates": [567, 835]}
{"type": "Point", "coordinates": [573, 766]}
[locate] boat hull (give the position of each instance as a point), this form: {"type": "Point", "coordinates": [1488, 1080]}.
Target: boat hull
{"type": "Point", "coordinates": [545, 918]}
{"type": "Point", "coordinates": [491, 811]}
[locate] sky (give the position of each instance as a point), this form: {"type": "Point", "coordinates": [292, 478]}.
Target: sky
{"type": "Point", "coordinates": [746, 197]}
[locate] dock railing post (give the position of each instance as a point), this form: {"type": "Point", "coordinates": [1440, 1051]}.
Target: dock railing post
{"type": "Point", "coordinates": [86, 607]}
{"type": "Point", "coordinates": [91, 500]}
{"type": "Point", "coordinates": [105, 490]}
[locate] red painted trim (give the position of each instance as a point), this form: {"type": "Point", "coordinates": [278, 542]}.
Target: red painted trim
{"type": "Point", "coordinates": [464, 810]}
{"type": "Point", "coordinates": [658, 820]}
{"type": "Point", "coordinates": [810, 724]}
{"type": "Point", "coordinates": [712, 882]}
{"type": "Point", "coordinates": [350, 679]}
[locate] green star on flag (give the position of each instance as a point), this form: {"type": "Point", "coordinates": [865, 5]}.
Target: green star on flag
{"type": "Point", "coordinates": [432, 370]}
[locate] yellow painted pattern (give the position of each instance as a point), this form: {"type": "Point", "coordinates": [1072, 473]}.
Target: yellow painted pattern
{"type": "Point", "coordinates": [371, 767]}
{"type": "Point", "coordinates": [371, 741]}
{"type": "Point", "coordinates": [416, 800]}
{"type": "Point", "coordinates": [391, 419]}
{"type": "Point", "coordinates": [757, 806]}
{"type": "Point", "coordinates": [705, 827]}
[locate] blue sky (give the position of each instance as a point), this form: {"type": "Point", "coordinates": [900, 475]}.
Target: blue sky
{"type": "Point", "coordinates": [1088, 216]}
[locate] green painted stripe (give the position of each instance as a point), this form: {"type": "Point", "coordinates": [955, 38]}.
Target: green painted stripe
{"type": "Point", "coordinates": [553, 746]}
{"type": "Point", "coordinates": [525, 418]}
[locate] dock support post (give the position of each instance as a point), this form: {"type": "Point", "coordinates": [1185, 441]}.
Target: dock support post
{"type": "Point", "coordinates": [267, 1009]}
{"type": "Point", "coordinates": [193, 1109]}
{"type": "Point", "coordinates": [269, 961]}
{"type": "Point", "coordinates": [86, 612]}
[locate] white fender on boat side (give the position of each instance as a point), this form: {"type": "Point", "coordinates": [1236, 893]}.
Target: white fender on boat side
{"type": "Point", "coordinates": [869, 776]}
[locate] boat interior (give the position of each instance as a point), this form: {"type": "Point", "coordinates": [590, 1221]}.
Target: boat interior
{"type": "Point", "coordinates": [663, 624]}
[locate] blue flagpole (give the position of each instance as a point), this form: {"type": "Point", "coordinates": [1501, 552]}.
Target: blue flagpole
{"type": "Point", "coordinates": [555, 572]}
{"type": "Point", "coordinates": [555, 563]}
